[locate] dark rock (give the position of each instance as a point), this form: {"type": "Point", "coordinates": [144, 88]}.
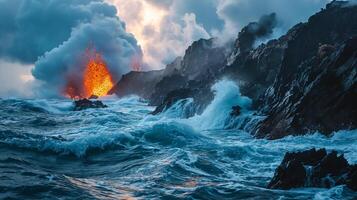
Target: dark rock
{"type": "Point", "coordinates": [236, 111]}
{"type": "Point", "coordinates": [166, 85]}
{"type": "Point", "coordinates": [300, 108]}
{"type": "Point", "coordinates": [197, 70]}
{"type": "Point", "coordinates": [171, 98]}
{"type": "Point", "coordinates": [203, 57]}
{"type": "Point", "coordinates": [86, 104]}
{"type": "Point", "coordinates": [313, 168]}
{"type": "Point", "coordinates": [290, 175]}
{"type": "Point", "coordinates": [352, 178]}
{"type": "Point", "coordinates": [256, 30]}
{"type": "Point", "coordinates": [308, 157]}
{"type": "Point", "coordinates": [319, 62]}
{"type": "Point", "coordinates": [137, 83]}
{"type": "Point", "coordinates": [93, 97]}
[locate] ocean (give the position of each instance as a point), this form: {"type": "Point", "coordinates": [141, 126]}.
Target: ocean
{"type": "Point", "coordinates": [48, 151]}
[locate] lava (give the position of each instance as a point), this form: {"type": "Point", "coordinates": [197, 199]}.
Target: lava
{"type": "Point", "coordinates": [96, 80]}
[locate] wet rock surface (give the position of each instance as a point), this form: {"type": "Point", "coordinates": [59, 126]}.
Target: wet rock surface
{"type": "Point", "coordinates": [314, 168]}
{"type": "Point", "coordinates": [83, 104]}
{"type": "Point", "coordinates": [316, 84]}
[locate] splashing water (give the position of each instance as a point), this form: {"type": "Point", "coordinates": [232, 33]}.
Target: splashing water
{"type": "Point", "coordinates": [121, 152]}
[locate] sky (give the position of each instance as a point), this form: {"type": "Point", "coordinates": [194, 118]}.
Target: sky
{"type": "Point", "coordinates": [43, 42]}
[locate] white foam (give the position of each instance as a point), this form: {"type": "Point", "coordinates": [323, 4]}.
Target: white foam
{"type": "Point", "coordinates": [215, 116]}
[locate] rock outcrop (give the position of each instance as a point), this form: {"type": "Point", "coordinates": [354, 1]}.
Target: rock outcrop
{"type": "Point", "coordinates": [321, 97]}
{"type": "Point", "coordinates": [287, 78]}
{"type": "Point", "coordinates": [314, 168]}
{"type": "Point", "coordinates": [83, 104]}
{"type": "Point", "coordinates": [137, 83]}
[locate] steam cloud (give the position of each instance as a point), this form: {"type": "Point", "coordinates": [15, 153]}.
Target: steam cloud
{"type": "Point", "coordinates": [54, 35]}
{"type": "Point", "coordinates": [208, 18]}
{"type": "Point", "coordinates": [256, 30]}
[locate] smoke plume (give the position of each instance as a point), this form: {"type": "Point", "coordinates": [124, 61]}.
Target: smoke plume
{"type": "Point", "coordinates": [55, 34]}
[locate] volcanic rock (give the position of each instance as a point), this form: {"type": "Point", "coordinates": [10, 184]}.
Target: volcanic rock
{"type": "Point", "coordinates": [197, 70]}
{"type": "Point", "coordinates": [83, 104]}
{"type": "Point", "coordinates": [137, 83]}
{"type": "Point", "coordinates": [314, 168]}
{"type": "Point", "coordinates": [315, 84]}
{"type": "Point", "coordinates": [171, 98]}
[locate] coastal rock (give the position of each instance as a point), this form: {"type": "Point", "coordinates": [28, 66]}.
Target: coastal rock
{"type": "Point", "coordinates": [315, 86]}
{"type": "Point", "coordinates": [197, 70]}
{"type": "Point", "coordinates": [83, 104]}
{"type": "Point", "coordinates": [137, 83]}
{"type": "Point", "coordinates": [171, 98]}
{"type": "Point", "coordinates": [322, 97]}
{"type": "Point", "coordinates": [313, 168]}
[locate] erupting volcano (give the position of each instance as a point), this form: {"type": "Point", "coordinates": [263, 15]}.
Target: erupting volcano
{"type": "Point", "coordinates": [96, 81]}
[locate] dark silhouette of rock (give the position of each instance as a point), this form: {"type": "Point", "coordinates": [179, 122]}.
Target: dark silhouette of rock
{"type": "Point", "coordinates": [318, 62]}
{"type": "Point", "coordinates": [172, 98]}
{"type": "Point", "coordinates": [256, 30]}
{"type": "Point", "coordinates": [352, 178]}
{"type": "Point", "coordinates": [83, 104]}
{"type": "Point", "coordinates": [321, 97]}
{"type": "Point", "coordinates": [93, 97]}
{"type": "Point", "coordinates": [137, 83]}
{"type": "Point", "coordinates": [236, 111]}
{"type": "Point", "coordinates": [313, 168]}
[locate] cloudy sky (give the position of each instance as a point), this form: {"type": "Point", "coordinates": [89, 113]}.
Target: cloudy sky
{"type": "Point", "coordinates": [164, 28]}
{"type": "Point", "coordinates": [42, 42]}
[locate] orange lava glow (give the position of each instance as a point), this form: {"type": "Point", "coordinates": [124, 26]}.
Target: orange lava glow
{"type": "Point", "coordinates": [97, 80]}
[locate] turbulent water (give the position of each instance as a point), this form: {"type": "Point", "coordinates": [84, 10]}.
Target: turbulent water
{"type": "Point", "coordinates": [48, 151]}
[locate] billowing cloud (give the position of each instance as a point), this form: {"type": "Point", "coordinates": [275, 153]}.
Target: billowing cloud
{"type": "Point", "coordinates": [54, 35]}
{"type": "Point", "coordinates": [157, 24]}
{"type": "Point", "coordinates": [162, 31]}
{"type": "Point", "coordinates": [238, 13]}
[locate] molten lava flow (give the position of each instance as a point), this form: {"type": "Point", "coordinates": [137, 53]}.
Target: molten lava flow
{"type": "Point", "coordinates": [97, 80]}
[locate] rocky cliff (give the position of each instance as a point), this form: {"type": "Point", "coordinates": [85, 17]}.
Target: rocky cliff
{"type": "Point", "coordinates": [304, 81]}
{"type": "Point", "coordinates": [137, 83]}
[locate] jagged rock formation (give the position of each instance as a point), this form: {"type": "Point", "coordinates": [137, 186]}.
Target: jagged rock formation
{"type": "Point", "coordinates": [83, 104]}
{"type": "Point", "coordinates": [138, 83]}
{"type": "Point", "coordinates": [304, 81]}
{"type": "Point", "coordinates": [294, 102]}
{"type": "Point", "coordinates": [322, 96]}
{"type": "Point", "coordinates": [288, 77]}
{"type": "Point", "coordinates": [313, 168]}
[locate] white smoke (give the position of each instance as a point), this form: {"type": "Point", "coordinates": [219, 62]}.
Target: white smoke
{"type": "Point", "coordinates": [53, 35]}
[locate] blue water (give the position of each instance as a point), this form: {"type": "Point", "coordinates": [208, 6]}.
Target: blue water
{"type": "Point", "coordinates": [48, 151]}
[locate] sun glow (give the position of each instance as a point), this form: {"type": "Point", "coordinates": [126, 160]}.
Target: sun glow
{"type": "Point", "coordinates": [143, 23]}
